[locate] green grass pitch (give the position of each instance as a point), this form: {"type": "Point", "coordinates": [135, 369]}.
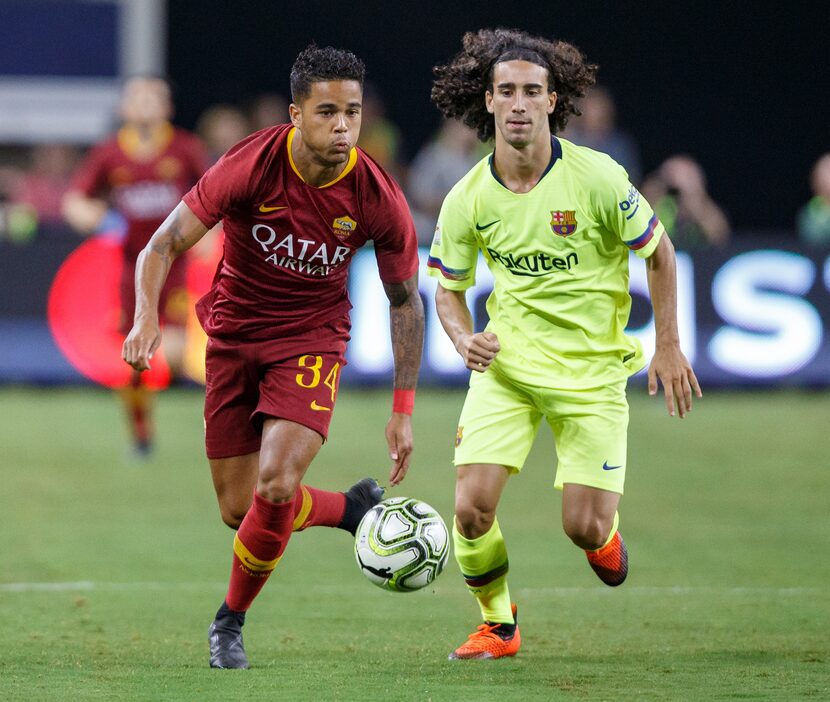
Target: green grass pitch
{"type": "Point", "coordinates": [111, 570]}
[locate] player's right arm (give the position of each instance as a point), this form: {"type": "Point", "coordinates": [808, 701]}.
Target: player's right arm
{"type": "Point", "coordinates": [477, 350]}
{"type": "Point", "coordinates": [181, 230]}
{"type": "Point", "coordinates": [452, 260]}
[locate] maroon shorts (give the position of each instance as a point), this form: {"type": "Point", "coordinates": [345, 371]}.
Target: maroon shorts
{"type": "Point", "coordinates": [294, 378]}
{"type": "Point", "coordinates": [174, 301]}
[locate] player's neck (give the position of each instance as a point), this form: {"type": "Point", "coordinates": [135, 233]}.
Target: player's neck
{"type": "Point", "coordinates": [145, 141]}
{"type": "Point", "coordinates": [521, 168]}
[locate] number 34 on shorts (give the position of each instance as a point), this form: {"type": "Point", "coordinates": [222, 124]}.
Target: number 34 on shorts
{"type": "Point", "coordinates": [312, 370]}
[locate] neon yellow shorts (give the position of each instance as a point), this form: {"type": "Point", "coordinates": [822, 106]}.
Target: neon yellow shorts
{"type": "Point", "coordinates": [500, 420]}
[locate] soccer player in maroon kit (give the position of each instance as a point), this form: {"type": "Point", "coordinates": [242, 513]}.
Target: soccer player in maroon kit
{"type": "Point", "coordinates": [141, 172]}
{"type": "Point", "coordinates": [297, 201]}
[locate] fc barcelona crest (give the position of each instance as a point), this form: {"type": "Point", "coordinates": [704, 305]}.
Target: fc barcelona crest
{"type": "Point", "coordinates": [563, 223]}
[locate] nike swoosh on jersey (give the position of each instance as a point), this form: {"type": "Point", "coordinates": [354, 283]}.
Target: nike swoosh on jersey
{"type": "Point", "coordinates": [264, 208]}
{"type": "Point", "coordinates": [605, 466]}
{"type": "Point", "coordinates": [482, 227]}
{"type": "Point", "coordinates": [319, 408]}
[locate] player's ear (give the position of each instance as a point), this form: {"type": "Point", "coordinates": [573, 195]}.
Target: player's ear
{"type": "Point", "coordinates": [552, 98]}
{"type": "Point", "coordinates": [488, 101]}
{"type": "Point", "coordinates": [296, 114]}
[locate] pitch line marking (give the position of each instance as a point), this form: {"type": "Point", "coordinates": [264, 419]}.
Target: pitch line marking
{"type": "Point", "coordinates": [89, 585]}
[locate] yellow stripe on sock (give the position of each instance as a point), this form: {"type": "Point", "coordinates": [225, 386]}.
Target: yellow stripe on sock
{"type": "Point", "coordinates": [299, 522]}
{"type": "Point", "coordinates": [250, 561]}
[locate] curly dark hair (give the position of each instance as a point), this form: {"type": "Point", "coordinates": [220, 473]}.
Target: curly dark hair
{"type": "Point", "coordinates": [459, 86]}
{"type": "Point", "coordinates": [314, 64]}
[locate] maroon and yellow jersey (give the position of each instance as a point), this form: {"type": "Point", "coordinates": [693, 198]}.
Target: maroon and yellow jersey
{"type": "Point", "coordinates": [288, 244]}
{"type": "Point", "coordinates": [144, 190]}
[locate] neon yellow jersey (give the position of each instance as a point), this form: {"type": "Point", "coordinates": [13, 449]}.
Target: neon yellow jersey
{"type": "Point", "coordinates": [559, 257]}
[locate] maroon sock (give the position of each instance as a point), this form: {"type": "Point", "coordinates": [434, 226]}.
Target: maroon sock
{"type": "Point", "coordinates": [257, 548]}
{"type": "Point", "coordinates": [313, 507]}
{"type": "Point", "coordinates": [138, 399]}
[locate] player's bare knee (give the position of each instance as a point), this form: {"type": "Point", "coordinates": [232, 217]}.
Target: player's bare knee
{"type": "Point", "coordinates": [233, 505]}
{"type": "Point", "coordinates": [586, 531]}
{"type": "Point", "coordinates": [473, 521]}
{"type": "Point", "coordinates": [232, 518]}
{"type": "Point", "coordinates": [277, 485]}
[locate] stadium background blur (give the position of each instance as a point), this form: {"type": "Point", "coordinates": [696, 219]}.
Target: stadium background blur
{"type": "Point", "coordinates": [739, 88]}
{"type": "Point", "coordinates": [734, 94]}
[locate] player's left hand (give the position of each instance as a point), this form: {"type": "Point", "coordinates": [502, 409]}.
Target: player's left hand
{"type": "Point", "coordinates": [399, 440]}
{"type": "Point", "coordinates": [674, 371]}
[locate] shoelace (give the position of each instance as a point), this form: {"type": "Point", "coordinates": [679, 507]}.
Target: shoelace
{"type": "Point", "coordinates": [485, 630]}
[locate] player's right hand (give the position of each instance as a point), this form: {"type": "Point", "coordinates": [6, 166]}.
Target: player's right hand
{"type": "Point", "coordinates": [478, 350]}
{"type": "Point", "coordinates": [399, 440]}
{"type": "Point", "coordinates": [140, 345]}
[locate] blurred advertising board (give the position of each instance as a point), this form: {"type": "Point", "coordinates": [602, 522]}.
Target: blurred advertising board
{"type": "Point", "coordinates": [754, 313]}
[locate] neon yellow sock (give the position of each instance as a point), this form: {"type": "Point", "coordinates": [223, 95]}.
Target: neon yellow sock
{"type": "Point", "coordinates": [484, 565]}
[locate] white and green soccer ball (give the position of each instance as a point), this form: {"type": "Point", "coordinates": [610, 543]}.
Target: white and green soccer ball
{"type": "Point", "coordinates": [401, 544]}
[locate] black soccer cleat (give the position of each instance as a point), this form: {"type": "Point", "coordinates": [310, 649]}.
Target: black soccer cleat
{"type": "Point", "coordinates": [225, 639]}
{"type": "Point", "coordinates": [360, 498]}
{"type": "Point", "coordinates": [142, 450]}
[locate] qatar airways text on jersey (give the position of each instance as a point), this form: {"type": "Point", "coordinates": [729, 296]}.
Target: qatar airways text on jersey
{"type": "Point", "coordinates": [297, 253]}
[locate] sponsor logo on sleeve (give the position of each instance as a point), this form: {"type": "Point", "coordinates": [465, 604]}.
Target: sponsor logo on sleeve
{"type": "Point", "coordinates": [436, 238]}
{"type": "Point", "coordinates": [631, 203]}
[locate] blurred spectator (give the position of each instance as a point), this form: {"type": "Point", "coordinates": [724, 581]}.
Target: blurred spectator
{"type": "Point", "coordinates": [677, 192]}
{"type": "Point", "coordinates": [813, 219]}
{"type": "Point", "coordinates": [266, 110]}
{"type": "Point", "coordinates": [596, 128]}
{"type": "Point", "coordinates": [220, 127]}
{"type": "Point", "coordinates": [13, 226]}
{"type": "Point", "coordinates": [139, 175]}
{"type": "Point", "coordinates": [441, 163]}
{"type": "Point", "coordinates": [42, 187]}
{"type": "Point", "coordinates": [379, 137]}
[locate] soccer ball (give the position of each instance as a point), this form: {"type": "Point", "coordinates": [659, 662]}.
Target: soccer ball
{"type": "Point", "coordinates": [401, 544]}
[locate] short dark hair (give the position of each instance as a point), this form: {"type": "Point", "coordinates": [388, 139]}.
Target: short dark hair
{"type": "Point", "coordinates": [314, 64]}
{"type": "Point", "coordinates": [459, 86]}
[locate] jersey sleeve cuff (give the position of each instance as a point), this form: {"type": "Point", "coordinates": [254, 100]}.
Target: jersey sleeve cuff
{"type": "Point", "coordinates": [450, 278]}
{"type": "Point", "coordinates": [645, 244]}
{"type": "Point", "coordinates": [452, 284]}
{"type": "Point", "coordinates": [197, 209]}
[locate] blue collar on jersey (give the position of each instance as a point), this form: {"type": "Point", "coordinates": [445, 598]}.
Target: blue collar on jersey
{"type": "Point", "coordinates": [555, 155]}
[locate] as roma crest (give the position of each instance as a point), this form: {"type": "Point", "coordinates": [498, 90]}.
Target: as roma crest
{"type": "Point", "coordinates": [563, 223]}
{"type": "Point", "coordinates": [343, 227]}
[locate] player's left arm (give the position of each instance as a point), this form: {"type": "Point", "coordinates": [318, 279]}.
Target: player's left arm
{"type": "Point", "coordinates": [668, 365]}
{"type": "Point", "coordinates": [406, 312]}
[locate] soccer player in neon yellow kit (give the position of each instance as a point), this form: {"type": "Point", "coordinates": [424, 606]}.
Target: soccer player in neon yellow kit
{"type": "Point", "coordinates": [555, 223]}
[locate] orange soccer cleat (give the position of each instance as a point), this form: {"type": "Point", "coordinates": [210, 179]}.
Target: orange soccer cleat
{"type": "Point", "coordinates": [491, 640]}
{"type": "Point", "coordinates": [610, 562]}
